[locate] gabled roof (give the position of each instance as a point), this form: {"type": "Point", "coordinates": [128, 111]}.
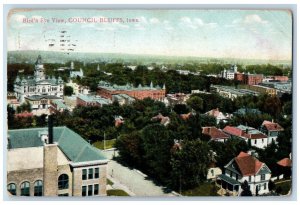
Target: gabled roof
{"type": "Point", "coordinates": [247, 164]}
{"type": "Point", "coordinates": [214, 133]}
{"type": "Point", "coordinates": [285, 162]}
{"type": "Point", "coordinates": [70, 143]}
{"type": "Point", "coordinates": [233, 130]}
{"type": "Point", "coordinates": [244, 131]}
{"type": "Point", "coordinates": [271, 126]}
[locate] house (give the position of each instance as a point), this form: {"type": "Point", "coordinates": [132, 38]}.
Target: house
{"type": "Point", "coordinates": [162, 119]}
{"type": "Point", "coordinates": [215, 134]}
{"type": "Point", "coordinates": [245, 110]}
{"type": "Point", "coordinates": [119, 121]}
{"type": "Point", "coordinates": [242, 168]}
{"type": "Point", "coordinates": [123, 99]}
{"type": "Point", "coordinates": [57, 106]}
{"type": "Point", "coordinates": [272, 130]}
{"type": "Point", "coordinates": [249, 134]}
{"type": "Point", "coordinates": [40, 104]}
{"type": "Point", "coordinates": [53, 161]}
{"type": "Point", "coordinates": [89, 100]}
{"type": "Point", "coordinates": [218, 115]}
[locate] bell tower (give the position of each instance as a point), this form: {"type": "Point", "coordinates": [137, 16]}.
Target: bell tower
{"type": "Point", "coordinates": [39, 69]}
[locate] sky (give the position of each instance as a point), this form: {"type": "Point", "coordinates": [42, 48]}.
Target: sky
{"type": "Point", "coordinates": [245, 34]}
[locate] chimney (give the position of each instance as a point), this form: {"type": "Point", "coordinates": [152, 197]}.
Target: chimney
{"type": "Point", "coordinates": [50, 129]}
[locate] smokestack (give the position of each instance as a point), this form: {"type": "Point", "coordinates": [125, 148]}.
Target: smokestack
{"type": "Point", "coordinates": [50, 129]}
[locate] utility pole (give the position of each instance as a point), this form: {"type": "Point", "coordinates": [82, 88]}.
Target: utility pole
{"type": "Point", "coordinates": [104, 141]}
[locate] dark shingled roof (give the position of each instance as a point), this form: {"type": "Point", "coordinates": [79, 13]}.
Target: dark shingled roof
{"type": "Point", "coordinates": [70, 143]}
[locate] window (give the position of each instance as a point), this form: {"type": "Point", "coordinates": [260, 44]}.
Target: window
{"type": "Point", "coordinates": [91, 173]}
{"type": "Point", "coordinates": [38, 188]}
{"type": "Point", "coordinates": [262, 140]}
{"type": "Point", "coordinates": [230, 174]}
{"type": "Point", "coordinates": [65, 194]}
{"type": "Point", "coordinates": [263, 177]}
{"type": "Point", "coordinates": [265, 186]}
{"type": "Point", "coordinates": [12, 189]}
{"type": "Point", "coordinates": [63, 182]}
{"type": "Point", "coordinates": [254, 141]}
{"type": "Point", "coordinates": [83, 193]}
{"type": "Point", "coordinates": [249, 178]}
{"type": "Point", "coordinates": [212, 172]}
{"type": "Point", "coordinates": [84, 174]}
{"type": "Point", "coordinates": [96, 173]}
{"type": "Point", "coordinates": [90, 191]}
{"type": "Point", "coordinates": [25, 189]}
{"type": "Point", "coordinates": [96, 189]}
{"type": "Point", "coordinates": [236, 177]}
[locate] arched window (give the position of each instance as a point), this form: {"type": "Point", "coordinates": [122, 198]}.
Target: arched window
{"type": "Point", "coordinates": [38, 188]}
{"type": "Point", "coordinates": [12, 188]}
{"type": "Point", "coordinates": [63, 181]}
{"type": "Point", "coordinates": [25, 189]}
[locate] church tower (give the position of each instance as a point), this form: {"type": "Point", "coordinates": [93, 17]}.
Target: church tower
{"type": "Point", "coordinates": [39, 69]}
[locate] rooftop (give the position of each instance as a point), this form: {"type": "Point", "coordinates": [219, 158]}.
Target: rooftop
{"type": "Point", "coordinates": [247, 164]}
{"type": "Point", "coordinates": [70, 143]}
{"type": "Point", "coordinates": [108, 86]}
{"type": "Point", "coordinates": [271, 126]}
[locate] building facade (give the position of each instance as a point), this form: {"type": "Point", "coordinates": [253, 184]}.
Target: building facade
{"type": "Point", "coordinates": [242, 168]}
{"type": "Point", "coordinates": [107, 90]}
{"type": "Point", "coordinates": [38, 84]}
{"type": "Point", "coordinates": [249, 79]}
{"type": "Point", "coordinates": [53, 162]}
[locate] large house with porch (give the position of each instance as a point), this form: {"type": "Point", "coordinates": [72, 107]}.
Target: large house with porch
{"type": "Point", "coordinates": [242, 168]}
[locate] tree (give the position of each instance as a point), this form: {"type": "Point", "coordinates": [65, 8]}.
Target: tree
{"type": "Point", "coordinates": [195, 103]}
{"type": "Point", "coordinates": [68, 90]}
{"type": "Point", "coordinates": [271, 185]}
{"type": "Point", "coordinates": [190, 164]}
{"type": "Point", "coordinates": [246, 189]}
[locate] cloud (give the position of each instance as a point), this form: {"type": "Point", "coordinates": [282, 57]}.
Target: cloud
{"type": "Point", "coordinates": [16, 22]}
{"type": "Point", "coordinates": [254, 18]}
{"type": "Point", "coordinates": [154, 21]}
{"type": "Point", "coordinates": [196, 23]}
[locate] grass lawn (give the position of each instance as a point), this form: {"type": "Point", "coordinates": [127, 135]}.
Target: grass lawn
{"type": "Point", "coordinates": [108, 144]}
{"type": "Point", "coordinates": [109, 182]}
{"type": "Point", "coordinates": [285, 187]}
{"type": "Point", "coordinates": [116, 192]}
{"type": "Point", "coordinates": [205, 189]}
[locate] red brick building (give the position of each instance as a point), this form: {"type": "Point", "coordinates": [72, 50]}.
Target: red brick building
{"type": "Point", "coordinates": [249, 79]}
{"type": "Point", "coordinates": [106, 90]}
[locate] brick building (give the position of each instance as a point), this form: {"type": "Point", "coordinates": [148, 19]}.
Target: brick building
{"type": "Point", "coordinates": [249, 79]}
{"type": "Point", "coordinates": [53, 162]}
{"type": "Point", "coordinates": [107, 90]}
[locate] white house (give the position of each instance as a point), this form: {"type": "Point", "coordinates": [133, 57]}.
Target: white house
{"type": "Point", "coordinates": [218, 115]}
{"type": "Point", "coordinates": [272, 130]}
{"type": "Point", "coordinates": [242, 168]}
{"type": "Point", "coordinates": [249, 134]}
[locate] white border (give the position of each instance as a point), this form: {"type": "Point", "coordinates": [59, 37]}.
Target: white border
{"type": "Point", "coordinates": [242, 4]}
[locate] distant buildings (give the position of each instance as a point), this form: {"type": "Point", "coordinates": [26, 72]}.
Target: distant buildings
{"type": "Point", "coordinates": [40, 104]}
{"type": "Point", "coordinates": [177, 98]}
{"type": "Point", "coordinates": [54, 162]}
{"type": "Point", "coordinates": [89, 100]}
{"type": "Point", "coordinates": [219, 116]}
{"type": "Point", "coordinates": [78, 89]}
{"type": "Point", "coordinates": [231, 92]}
{"type": "Point", "coordinates": [245, 111]}
{"type": "Point", "coordinates": [107, 90]}
{"type": "Point", "coordinates": [242, 168]}
{"type": "Point", "coordinates": [57, 106]}
{"type": "Point", "coordinates": [249, 79]}
{"type": "Point", "coordinates": [75, 74]}
{"type": "Point", "coordinates": [229, 74]}
{"type": "Point", "coordinates": [122, 99]}
{"type": "Point", "coordinates": [164, 120]}
{"type": "Point", "coordinates": [38, 85]}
